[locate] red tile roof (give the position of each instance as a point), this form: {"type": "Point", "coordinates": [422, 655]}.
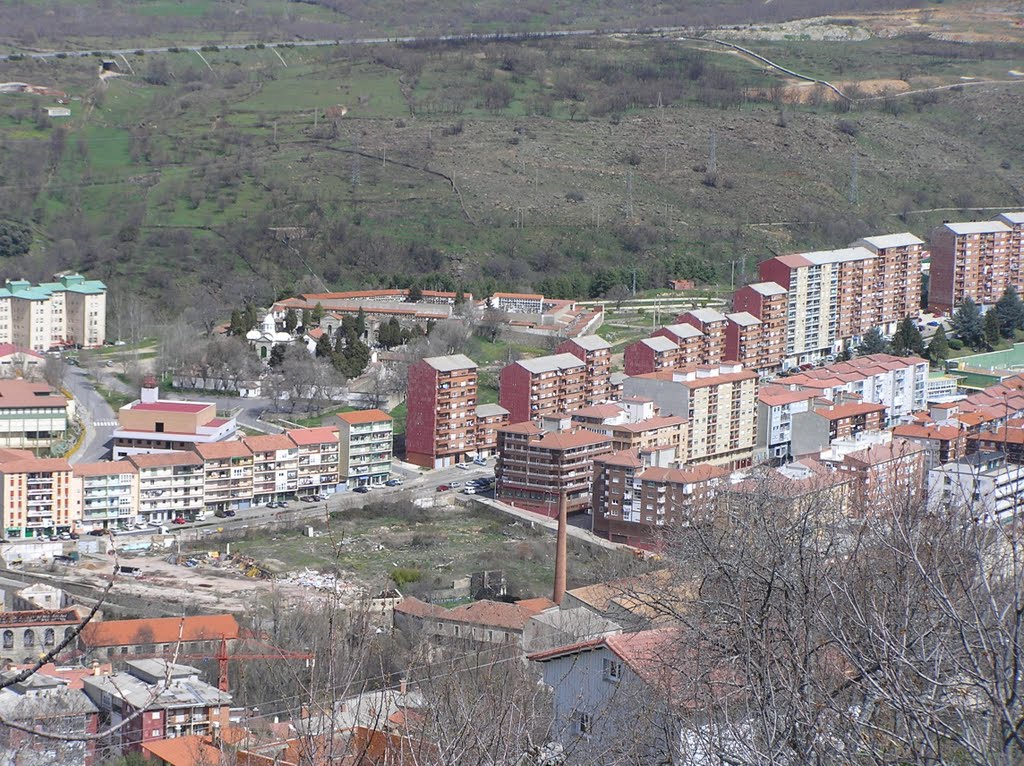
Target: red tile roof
{"type": "Point", "coordinates": [104, 468]}
{"type": "Point", "coordinates": [268, 442]}
{"type": "Point", "coordinates": [629, 458]}
{"type": "Point", "coordinates": [188, 750]}
{"type": "Point", "coordinates": [221, 450]}
{"type": "Point", "coordinates": [364, 416]}
{"type": "Point", "coordinates": [304, 437]}
{"type": "Point", "coordinates": [776, 396]}
{"type": "Point", "coordinates": [42, 464]}
{"type": "Point", "coordinates": [15, 392]}
{"type": "Point", "coordinates": [160, 630]}
{"type": "Point", "coordinates": [685, 475]}
{"type": "Point", "coordinates": [162, 459]}
{"type": "Point", "coordinates": [849, 410]}
{"type": "Point", "coordinates": [932, 431]}
{"type": "Point", "coordinates": [167, 406]}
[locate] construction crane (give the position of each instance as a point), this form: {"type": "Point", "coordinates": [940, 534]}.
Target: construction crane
{"type": "Point", "coordinates": [272, 653]}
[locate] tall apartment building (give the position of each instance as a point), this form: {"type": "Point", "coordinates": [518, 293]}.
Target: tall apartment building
{"type": "Point", "coordinates": [652, 354]}
{"type": "Point", "coordinates": [227, 475]}
{"type": "Point", "coordinates": [826, 421]}
{"type": "Point", "coordinates": [836, 296]}
{"type": "Point", "coordinates": [366, 439]}
{"type": "Point", "coordinates": [39, 496]}
{"type": "Point", "coordinates": [743, 340]}
{"type": "Point", "coordinates": [152, 424]}
{"type": "Point", "coordinates": [776, 408]}
{"type": "Point", "coordinates": [596, 353]}
{"type": "Point", "coordinates": [690, 341]}
{"type": "Point", "coordinates": [440, 426]}
{"type": "Point", "coordinates": [634, 423]}
{"type": "Point", "coordinates": [719, 403]}
{"type": "Point", "coordinates": [713, 325]}
{"type": "Point", "coordinates": [637, 492]}
{"type": "Point", "coordinates": [769, 302]}
{"type": "Point", "coordinates": [319, 462]}
{"type": "Point", "coordinates": [983, 485]}
{"type": "Point", "coordinates": [975, 260]}
{"type": "Point", "coordinates": [489, 418]}
{"type": "Point", "coordinates": [898, 383]}
{"type": "Point", "coordinates": [109, 494]}
{"type": "Point", "coordinates": [535, 468]}
{"type": "Point", "coordinates": [170, 485]}
{"type": "Point", "coordinates": [275, 467]}
{"type": "Point", "coordinates": [69, 312]}
{"type": "Point", "coordinates": [547, 385]}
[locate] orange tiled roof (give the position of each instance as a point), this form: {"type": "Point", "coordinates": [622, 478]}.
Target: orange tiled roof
{"type": "Point", "coordinates": [364, 416]}
{"type": "Point", "coordinates": [189, 750]}
{"type": "Point", "coordinates": [305, 437]}
{"type": "Point", "coordinates": [103, 468]}
{"type": "Point", "coordinates": [221, 450]}
{"type": "Point", "coordinates": [161, 459]}
{"type": "Point", "coordinates": [494, 614]}
{"type": "Point", "coordinates": [160, 630]}
{"type": "Point", "coordinates": [268, 442]}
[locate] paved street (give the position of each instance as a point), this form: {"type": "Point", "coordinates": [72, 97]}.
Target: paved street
{"type": "Point", "coordinates": [98, 416]}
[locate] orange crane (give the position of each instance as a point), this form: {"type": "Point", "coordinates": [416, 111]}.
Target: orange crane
{"type": "Point", "coordinates": [271, 653]}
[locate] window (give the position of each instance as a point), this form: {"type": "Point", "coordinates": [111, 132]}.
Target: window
{"type": "Point", "coordinates": [8, 639]}
{"type": "Point", "coordinates": [155, 716]}
{"type": "Point", "coordinates": [48, 637]}
{"type": "Point", "coordinates": [612, 670]}
{"type": "Point", "coordinates": [28, 638]}
{"type": "Point", "coordinates": [585, 723]}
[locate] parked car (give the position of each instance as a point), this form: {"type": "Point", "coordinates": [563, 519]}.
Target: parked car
{"type": "Point", "coordinates": [469, 491]}
{"type": "Point", "coordinates": [179, 520]}
{"type": "Point", "coordinates": [97, 532]}
{"type": "Point", "coordinates": [455, 483]}
{"type": "Point", "coordinates": [362, 490]}
{"type": "Point", "coordinates": [156, 523]}
{"type": "Point", "coordinates": [480, 460]}
{"type": "Point", "coordinates": [443, 487]}
{"type": "Point", "coordinates": [393, 483]}
{"type": "Point", "coordinates": [463, 466]}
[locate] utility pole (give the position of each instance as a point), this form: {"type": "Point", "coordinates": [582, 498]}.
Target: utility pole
{"type": "Point", "coordinates": [275, 131]}
{"type": "Point", "coordinates": [316, 117]}
{"type": "Point", "coordinates": [629, 195]}
{"type": "Point", "coordinates": [355, 166]}
{"type": "Point", "coordinates": [634, 283]}
{"type": "Point", "coordinates": [713, 153]}
{"type": "Point", "coordinates": [854, 197]}
{"type": "Point", "coordinates": [384, 156]}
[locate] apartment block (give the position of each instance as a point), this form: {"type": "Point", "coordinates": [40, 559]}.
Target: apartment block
{"type": "Point", "coordinates": [39, 496]}
{"type": "Point", "coordinates": [366, 440]}
{"type": "Point", "coordinates": [227, 475]}
{"type": "Point", "coordinates": [743, 341]}
{"type": "Point", "coordinates": [712, 325]}
{"type": "Point", "coordinates": [942, 442]}
{"type": "Point", "coordinates": [536, 469]}
{"type": "Point", "coordinates": [776, 408]}
{"type": "Point", "coordinates": [319, 463]}
{"type": "Point", "coordinates": [899, 383]}
{"type": "Point", "coordinates": [975, 260]}
{"type": "Point", "coordinates": [637, 492]}
{"type": "Point", "coordinates": [275, 467]}
{"type": "Point", "coordinates": [634, 424]}
{"type": "Point", "coordinates": [886, 471]}
{"type": "Point", "coordinates": [719, 404]}
{"type": "Point", "coordinates": [152, 424]}
{"type": "Point", "coordinates": [156, 699]}
{"type": "Point", "coordinates": [984, 485]}
{"type": "Point", "coordinates": [441, 422]}
{"type": "Point", "coordinates": [489, 418]}
{"type": "Point", "coordinates": [533, 388]}
{"type": "Point", "coordinates": [32, 415]}
{"type": "Point", "coordinates": [689, 339]}
{"type": "Point", "coordinates": [769, 302]}
{"type": "Point", "coordinates": [825, 421]}
{"type": "Point", "coordinates": [109, 494]}
{"type": "Point", "coordinates": [653, 354]}
{"type": "Point", "coordinates": [896, 289]}
{"type": "Point", "coordinates": [69, 312]}
{"type": "Point", "coordinates": [596, 353]}
{"type": "Point", "coordinates": [171, 484]}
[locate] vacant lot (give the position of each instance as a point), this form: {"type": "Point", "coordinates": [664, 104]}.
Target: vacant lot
{"type": "Point", "coordinates": [365, 546]}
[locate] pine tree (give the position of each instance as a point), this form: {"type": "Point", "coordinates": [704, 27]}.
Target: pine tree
{"type": "Point", "coordinates": [992, 329]}
{"type": "Point", "coordinates": [235, 325]}
{"type": "Point", "coordinates": [291, 321]}
{"type": "Point", "coordinates": [415, 294]}
{"type": "Point", "coordinates": [277, 356]}
{"type": "Point", "coordinates": [968, 324]}
{"type": "Point", "coordinates": [249, 319]}
{"type": "Point", "coordinates": [907, 341]}
{"type": "Point", "coordinates": [938, 349]}
{"type": "Point", "coordinates": [318, 314]}
{"type": "Point", "coordinates": [361, 322]}
{"type": "Point", "coordinates": [307, 318]}
{"type": "Point", "coordinates": [1010, 310]}
{"type": "Point", "coordinates": [873, 342]}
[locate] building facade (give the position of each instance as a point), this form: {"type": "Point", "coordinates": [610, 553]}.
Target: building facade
{"type": "Point", "coordinates": [976, 260]}
{"type": "Point", "coordinates": [171, 485]}
{"type": "Point", "coordinates": [319, 459]}
{"type": "Point", "coordinates": [275, 467]}
{"type": "Point", "coordinates": [366, 439]}
{"type": "Point", "coordinates": [441, 422]}
{"type": "Point", "coordinates": [40, 496]}
{"type": "Point", "coordinates": [33, 416]}
{"type": "Point", "coordinates": [109, 492]}
{"type": "Point", "coordinates": [227, 475]}
{"type": "Point", "coordinates": [538, 469]}
{"type": "Point", "coordinates": [69, 312]}
{"type": "Point", "coordinates": [596, 354]}
{"type": "Point", "coordinates": [535, 388]}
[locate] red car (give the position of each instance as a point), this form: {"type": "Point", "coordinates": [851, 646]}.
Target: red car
{"type": "Point", "coordinates": [443, 487]}
{"type": "Point", "coordinates": [179, 520]}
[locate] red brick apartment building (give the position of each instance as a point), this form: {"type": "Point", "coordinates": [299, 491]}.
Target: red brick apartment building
{"type": "Point", "coordinates": [769, 302]}
{"type": "Point", "coordinates": [563, 382]}
{"type": "Point", "coordinates": [688, 338]}
{"type": "Point", "coordinates": [713, 325]}
{"type": "Point", "coordinates": [596, 353]}
{"type": "Point", "coordinates": [976, 260]}
{"type": "Point", "coordinates": [651, 355]}
{"type": "Point", "coordinates": [536, 467]}
{"type": "Point", "coordinates": [882, 474]}
{"type": "Point", "coordinates": [441, 421]}
{"type": "Point", "coordinates": [633, 497]}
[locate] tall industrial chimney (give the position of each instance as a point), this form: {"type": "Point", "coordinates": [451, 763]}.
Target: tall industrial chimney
{"type": "Point", "coordinates": [560, 548]}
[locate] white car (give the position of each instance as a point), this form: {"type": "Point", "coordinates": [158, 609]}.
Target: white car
{"type": "Point", "coordinates": [463, 466]}
{"type": "Point", "coordinates": [156, 523]}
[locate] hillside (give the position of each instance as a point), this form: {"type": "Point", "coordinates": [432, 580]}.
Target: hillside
{"type": "Point", "coordinates": [545, 165]}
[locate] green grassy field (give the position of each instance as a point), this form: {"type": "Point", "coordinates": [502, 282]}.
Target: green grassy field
{"type": "Point", "coordinates": [569, 177]}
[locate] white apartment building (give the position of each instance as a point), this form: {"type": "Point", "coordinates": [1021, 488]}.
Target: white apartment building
{"type": "Point", "coordinates": [69, 312]}
{"type": "Point", "coordinates": [170, 485]}
{"type": "Point", "coordinates": [109, 492]}
{"type": "Point", "coordinates": [984, 484]}
{"type": "Point", "coordinates": [275, 467]}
